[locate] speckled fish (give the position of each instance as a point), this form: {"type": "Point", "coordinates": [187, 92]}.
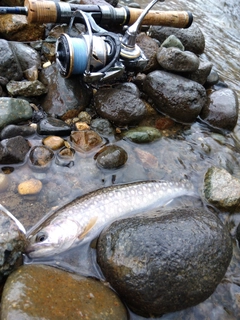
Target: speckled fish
{"type": "Point", "coordinates": [84, 218]}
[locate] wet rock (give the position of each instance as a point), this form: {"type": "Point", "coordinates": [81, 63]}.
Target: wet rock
{"type": "Point", "coordinates": [40, 157]}
{"type": "Point", "coordinates": [84, 117]}
{"type": "Point", "coordinates": [31, 74]}
{"type": "Point", "coordinates": [164, 123]}
{"type": "Point", "coordinates": [26, 88]}
{"type": "Point", "coordinates": [173, 41]}
{"type": "Point", "coordinates": [13, 150]}
{"type": "Point", "coordinates": [174, 59]}
{"type": "Point", "coordinates": [53, 142]}
{"type": "Point", "coordinates": [221, 188]}
{"type": "Point", "coordinates": [4, 182]}
{"type": "Point", "coordinates": [65, 97]}
{"type": "Point", "coordinates": [9, 66]}
{"type": "Point", "coordinates": [32, 186]}
{"type": "Point", "coordinates": [16, 28]}
{"type": "Point", "coordinates": [102, 126]}
{"type": "Point", "coordinates": [13, 111]}
{"type": "Point", "coordinates": [50, 293]}
{"type": "Point", "coordinates": [202, 73]}
{"type": "Point", "coordinates": [165, 260]}
{"type": "Point", "coordinates": [13, 130]}
{"type": "Point", "coordinates": [27, 56]}
{"type": "Point", "coordinates": [65, 157]}
{"type": "Point", "coordinates": [52, 126]}
{"type": "Point", "coordinates": [175, 96]}
{"type": "Point", "coordinates": [192, 38]}
{"type": "Point", "coordinates": [12, 243]}
{"type": "Point", "coordinates": [212, 78]}
{"type": "Point", "coordinates": [238, 234]}
{"type": "Point", "coordinates": [118, 106]}
{"type": "Point", "coordinates": [149, 47]}
{"type": "Point", "coordinates": [111, 157]}
{"type": "Point", "coordinates": [142, 134]}
{"type": "Point", "coordinates": [221, 111]}
{"type": "Point", "coordinates": [81, 126]}
{"type": "Point", "coordinates": [85, 140]}
{"type": "Point", "coordinates": [129, 87]}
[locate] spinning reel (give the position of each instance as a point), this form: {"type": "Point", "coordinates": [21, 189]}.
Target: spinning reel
{"type": "Point", "coordinates": [98, 54]}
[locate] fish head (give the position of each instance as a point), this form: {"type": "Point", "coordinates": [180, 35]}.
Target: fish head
{"type": "Point", "coordinates": [52, 239]}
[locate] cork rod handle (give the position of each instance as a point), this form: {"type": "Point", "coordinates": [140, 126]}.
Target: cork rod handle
{"type": "Point", "coordinates": [41, 11]}
{"type": "Point", "coordinates": [176, 19]}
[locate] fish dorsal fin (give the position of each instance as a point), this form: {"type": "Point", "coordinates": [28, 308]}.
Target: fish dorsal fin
{"type": "Point", "coordinates": [88, 227]}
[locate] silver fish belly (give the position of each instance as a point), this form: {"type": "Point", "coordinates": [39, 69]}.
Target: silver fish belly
{"type": "Point", "coordinates": [84, 218]}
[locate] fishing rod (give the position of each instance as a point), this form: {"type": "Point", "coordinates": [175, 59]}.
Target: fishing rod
{"type": "Point", "coordinates": [42, 11]}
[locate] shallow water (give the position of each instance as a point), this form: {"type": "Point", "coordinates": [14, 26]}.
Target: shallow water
{"type": "Point", "coordinates": [185, 152]}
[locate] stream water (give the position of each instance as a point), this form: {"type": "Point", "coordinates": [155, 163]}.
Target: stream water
{"type": "Point", "coordinates": [185, 153]}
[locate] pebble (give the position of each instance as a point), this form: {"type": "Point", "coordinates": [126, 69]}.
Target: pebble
{"type": "Point", "coordinates": [142, 134]}
{"type": "Point", "coordinates": [52, 126]}
{"type": "Point", "coordinates": [53, 142]}
{"type": "Point", "coordinates": [221, 188]}
{"type": "Point", "coordinates": [111, 157]}
{"type": "Point", "coordinates": [32, 186]}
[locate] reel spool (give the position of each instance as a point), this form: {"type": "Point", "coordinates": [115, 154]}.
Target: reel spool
{"type": "Point", "coordinates": [74, 56]}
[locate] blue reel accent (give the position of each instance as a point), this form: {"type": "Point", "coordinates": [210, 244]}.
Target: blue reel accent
{"type": "Point", "coordinates": [80, 55]}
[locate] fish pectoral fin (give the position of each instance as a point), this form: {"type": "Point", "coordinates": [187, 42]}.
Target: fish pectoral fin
{"type": "Point", "coordinates": [88, 227]}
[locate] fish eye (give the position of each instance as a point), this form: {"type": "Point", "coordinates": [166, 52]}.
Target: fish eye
{"type": "Point", "coordinates": [40, 237]}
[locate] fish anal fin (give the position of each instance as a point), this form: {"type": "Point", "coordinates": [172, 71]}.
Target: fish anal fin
{"type": "Point", "coordinates": [88, 227]}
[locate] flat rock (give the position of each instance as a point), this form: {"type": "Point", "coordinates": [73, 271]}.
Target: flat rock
{"type": "Point", "coordinates": [42, 292]}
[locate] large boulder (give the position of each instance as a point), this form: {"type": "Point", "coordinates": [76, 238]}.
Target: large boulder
{"type": "Point", "coordinates": [165, 260]}
{"type": "Point", "coordinates": [179, 98]}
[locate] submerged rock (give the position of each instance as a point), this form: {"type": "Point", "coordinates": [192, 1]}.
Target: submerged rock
{"type": "Point", "coordinates": [175, 96]}
{"type": "Point", "coordinates": [142, 134]}
{"type": "Point", "coordinates": [165, 260]}
{"type": "Point", "coordinates": [43, 292]}
{"type": "Point", "coordinates": [85, 141]}
{"type": "Point", "coordinates": [40, 157]}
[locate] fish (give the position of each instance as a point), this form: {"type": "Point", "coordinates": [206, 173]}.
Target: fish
{"type": "Point", "coordinates": [11, 216]}
{"type": "Point", "coordinates": [85, 217]}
